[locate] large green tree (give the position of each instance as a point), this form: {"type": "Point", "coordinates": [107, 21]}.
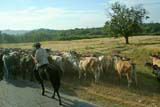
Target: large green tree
{"type": "Point", "coordinates": [125, 21]}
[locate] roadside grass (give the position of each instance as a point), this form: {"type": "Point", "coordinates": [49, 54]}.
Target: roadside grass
{"type": "Point", "coordinates": [110, 91]}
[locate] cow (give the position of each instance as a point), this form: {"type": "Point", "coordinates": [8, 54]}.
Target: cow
{"type": "Point", "coordinates": [106, 63]}
{"type": "Point", "coordinates": [155, 69]}
{"type": "Point", "coordinates": [126, 67]}
{"type": "Point", "coordinates": [90, 64]}
{"type": "Point", "coordinates": [155, 60]}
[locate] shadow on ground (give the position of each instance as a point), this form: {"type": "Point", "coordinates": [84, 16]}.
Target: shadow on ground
{"type": "Point", "coordinates": [22, 83]}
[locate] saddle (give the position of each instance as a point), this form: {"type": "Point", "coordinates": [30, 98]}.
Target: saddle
{"type": "Point", "coordinates": [45, 71]}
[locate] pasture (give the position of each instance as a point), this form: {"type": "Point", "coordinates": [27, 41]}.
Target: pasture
{"type": "Point", "coordinates": [110, 92]}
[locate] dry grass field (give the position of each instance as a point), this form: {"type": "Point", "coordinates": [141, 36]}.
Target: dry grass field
{"type": "Point", "coordinates": [110, 92]}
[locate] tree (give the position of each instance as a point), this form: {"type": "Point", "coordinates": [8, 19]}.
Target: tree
{"type": "Point", "coordinates": [125, 21]}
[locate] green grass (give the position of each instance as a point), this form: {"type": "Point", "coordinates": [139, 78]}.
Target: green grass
{"type": "Point", "coordinates": [110, 92]}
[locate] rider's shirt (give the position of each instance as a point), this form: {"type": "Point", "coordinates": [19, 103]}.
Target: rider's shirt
{"type": "Point", "coordinates": [41, 57]}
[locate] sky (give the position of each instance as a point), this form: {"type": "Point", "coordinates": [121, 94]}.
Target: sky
{"type": "Point", "coordinates": [64, 14]}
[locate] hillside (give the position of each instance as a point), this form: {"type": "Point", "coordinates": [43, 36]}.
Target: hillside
{"type": "Point", "coordinates": [15, 32]}
{"type": "Point", "coordinates": [42, 34]}
{"type": "Point", "coordinates": [110, 92]}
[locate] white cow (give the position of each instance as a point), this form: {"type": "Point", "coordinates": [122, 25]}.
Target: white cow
{"type": "Point", "coordinates": [60, 61]}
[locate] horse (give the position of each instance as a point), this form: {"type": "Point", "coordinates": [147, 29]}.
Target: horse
{"type": "Point", "coordinates": [52, 73]}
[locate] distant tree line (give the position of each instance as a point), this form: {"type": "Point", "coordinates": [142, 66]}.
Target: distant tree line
{"type": "Point", "coordinates": [72, 34]}
{"type": "Point", "coordinates": [47, 35]}
{"type": "Point", "coordinates": [151, 29]}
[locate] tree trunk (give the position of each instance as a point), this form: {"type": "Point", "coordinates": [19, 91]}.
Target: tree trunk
{"type": "Point", "coordinates": [126, 39]}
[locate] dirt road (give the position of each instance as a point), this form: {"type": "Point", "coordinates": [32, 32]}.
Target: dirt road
{"type": "Point", "coordinates": [28, 94]}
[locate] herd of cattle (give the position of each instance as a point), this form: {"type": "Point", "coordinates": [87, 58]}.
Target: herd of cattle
{"type": "Point", "coordinates": [19, 63]}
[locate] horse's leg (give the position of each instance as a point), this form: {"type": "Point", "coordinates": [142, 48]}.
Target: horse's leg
{"type": "Point", "coordinates": [56, 90]}
{"type": "Point", "coordinates": [53, 94]}
{"type": "Point", "coordinates": [43, 88]}
{"type": "Point", "coordinates": [52, 82]}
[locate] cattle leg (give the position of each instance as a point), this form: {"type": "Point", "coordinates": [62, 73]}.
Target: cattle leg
{"type": "Point", "coordinates": [85, 75]}
{"type": "Point", "coordinates": [80, 74]}
{"type": "Point", "coordinates": [136, 79]}
{"type": "Point", "coordinates": [97, 76]}
{"type": "Point", "coordinates": [24, 75]}
{"type": "Point", "coordinates": [99, 73]}
{"type": "Point", "coordinates": [31, 79]}
{"type": "Point", "coordinates": [15, 76]}
{"type": "Point", "coordinates": [133, 73]}
{"type": "Point", "coordinates": [6, 73]}
{"type": "Point", "coordinates": [119, 74]}
{"type": "Point", "coordinates": [129, 79]}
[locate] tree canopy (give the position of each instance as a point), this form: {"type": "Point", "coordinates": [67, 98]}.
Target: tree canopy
{"type": "Point", "coordinates": [125, 21]}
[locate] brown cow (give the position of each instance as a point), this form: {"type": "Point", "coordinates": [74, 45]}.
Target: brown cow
{"type": "Point", "coordinates": [126, 67]}
{"type": "Point", "coordinates": [90, 64]}
{"type": "Point", "coordinates": [155, 60]}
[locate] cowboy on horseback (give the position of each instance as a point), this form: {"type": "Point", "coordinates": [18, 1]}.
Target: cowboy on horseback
{"type": "Point", "coordinates": [45, 71]}
{"type": "Point", "coordinates": [40, 57]}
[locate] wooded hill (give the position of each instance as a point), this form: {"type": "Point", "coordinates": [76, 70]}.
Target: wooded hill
{"type": "Point", "coordinates": [72, 34]}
